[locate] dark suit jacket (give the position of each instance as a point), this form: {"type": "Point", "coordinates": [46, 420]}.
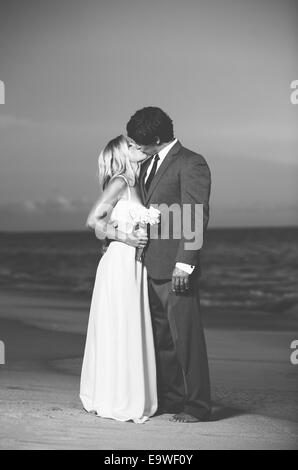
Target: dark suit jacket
{"type": "Point", "coordinates": [182, 178]}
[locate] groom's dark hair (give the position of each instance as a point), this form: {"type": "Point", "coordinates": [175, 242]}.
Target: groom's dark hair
{"type": "Point", "coordinates": [147, 124]}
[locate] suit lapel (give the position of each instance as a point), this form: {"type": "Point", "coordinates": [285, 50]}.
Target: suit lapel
{"type": "Point", "coordinates": [161, 170]}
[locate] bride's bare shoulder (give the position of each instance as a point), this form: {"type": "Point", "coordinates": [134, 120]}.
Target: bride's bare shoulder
{"type": "Point", "coordinates": [115, 186]}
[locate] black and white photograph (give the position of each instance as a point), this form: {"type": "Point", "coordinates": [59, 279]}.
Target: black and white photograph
{"type": "Point", "coordinates": [149, 227]}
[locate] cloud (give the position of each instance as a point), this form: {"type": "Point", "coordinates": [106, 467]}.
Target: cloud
{"type": "Point", "coordinates": [8, 121]}
{"type": "Point", "coordinates": [59, 213]}
{"type": "Point", "coordinates": [59, 204]}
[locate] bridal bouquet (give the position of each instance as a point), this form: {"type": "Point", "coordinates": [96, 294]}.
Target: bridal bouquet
{"type": "Point", "coordinates": [141, 217]}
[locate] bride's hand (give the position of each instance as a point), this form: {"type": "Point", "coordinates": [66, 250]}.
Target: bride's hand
{"type": "Point", "coordinates": [137, 239]}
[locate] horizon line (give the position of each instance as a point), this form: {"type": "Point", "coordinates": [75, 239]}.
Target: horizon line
{"type": "Point", "coordinates": [238, 227]}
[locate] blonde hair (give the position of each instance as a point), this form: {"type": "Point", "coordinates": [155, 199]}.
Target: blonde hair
{"type": "Point", "coordinates": [114, 160]}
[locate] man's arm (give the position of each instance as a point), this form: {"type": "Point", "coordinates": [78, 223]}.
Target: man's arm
{"type": "Point", "coordinates": [195, 182]}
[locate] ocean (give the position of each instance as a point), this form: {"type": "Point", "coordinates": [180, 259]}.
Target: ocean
{"type": "Point", "coordinates": [244, 268]}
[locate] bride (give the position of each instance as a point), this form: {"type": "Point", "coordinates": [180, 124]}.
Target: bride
{"type": "Point", "coordinates": [118, 378]}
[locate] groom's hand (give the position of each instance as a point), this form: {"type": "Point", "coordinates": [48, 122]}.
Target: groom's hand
{"type": "Point", "coordinates": [180, 280]}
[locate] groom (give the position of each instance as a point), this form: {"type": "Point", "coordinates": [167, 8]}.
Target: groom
{"type": "Point", "coordinates": [174, 175]}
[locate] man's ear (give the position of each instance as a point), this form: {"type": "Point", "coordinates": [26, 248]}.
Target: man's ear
{"type": "Point", "coordinates": [157, 140]}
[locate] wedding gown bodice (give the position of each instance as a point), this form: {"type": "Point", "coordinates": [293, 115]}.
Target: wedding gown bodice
{"type": "Point", "coordinates": [122, 214]}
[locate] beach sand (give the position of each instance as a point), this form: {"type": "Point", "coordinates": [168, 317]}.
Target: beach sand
{"type": "Point", "coordinates": [254, 385]}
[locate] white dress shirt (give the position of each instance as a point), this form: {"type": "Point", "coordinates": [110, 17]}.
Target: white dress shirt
{"type": "Point", "coordinates": [162, 155]}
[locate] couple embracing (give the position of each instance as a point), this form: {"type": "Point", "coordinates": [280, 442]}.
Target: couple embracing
{"type": "Point", "coordinates": [145, 351]}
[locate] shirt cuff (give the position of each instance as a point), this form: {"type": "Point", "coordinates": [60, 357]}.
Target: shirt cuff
{"type": "Point", "coordinates": [188, 268]}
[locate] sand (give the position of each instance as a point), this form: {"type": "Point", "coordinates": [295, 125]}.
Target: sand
{"type": "Point", "coordinates": [254, 385]}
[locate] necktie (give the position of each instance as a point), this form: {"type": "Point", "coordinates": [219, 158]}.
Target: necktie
{"type": "Point", "coordinates": [152, 172]}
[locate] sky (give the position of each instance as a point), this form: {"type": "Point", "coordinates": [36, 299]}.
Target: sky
{"type": "Point", "coordinates": [75, 71]}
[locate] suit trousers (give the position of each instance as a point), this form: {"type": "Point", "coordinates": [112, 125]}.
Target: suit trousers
{"type": "Point", "coordinates": [181, 358]}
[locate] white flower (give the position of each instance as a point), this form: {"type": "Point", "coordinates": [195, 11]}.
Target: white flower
{"type": "Point", "coordinates": [142, 215]}
{"type": "Point", "coordinates": [153, 215]}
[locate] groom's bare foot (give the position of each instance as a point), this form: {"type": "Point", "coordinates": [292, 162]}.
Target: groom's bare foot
{"type": "Point", "coordinates": [184, 418]}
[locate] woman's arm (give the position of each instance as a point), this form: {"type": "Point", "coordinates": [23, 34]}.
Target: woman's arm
{"type": "Point", "coordinates": [99, 217]}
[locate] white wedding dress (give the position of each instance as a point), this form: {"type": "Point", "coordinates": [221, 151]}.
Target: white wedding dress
{"type": "Point", "coordinates": [118, 378]}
